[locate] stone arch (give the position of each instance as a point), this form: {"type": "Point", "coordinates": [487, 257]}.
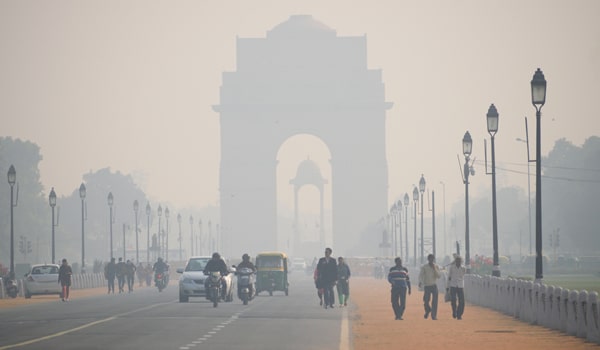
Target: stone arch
{"type": "Point", "coordinates": [301, 79]}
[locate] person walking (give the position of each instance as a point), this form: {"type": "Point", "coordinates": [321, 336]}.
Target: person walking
{"type": "Point", "coordinates": [456, 283]}
{"type": "Point", "coordinates": [428, 277]}
{"type": "Point", "coordinates": [318, 286]}
{"type": "Point", "coordinates": [110, 272]}
{"type": "Point", "coordinates": [327, 272]}
{"type": "Point", "coordinates": [130, 275]}
{"type": "Point", "coordinates": [400, 281]}
{"type": "Point", "coordinates": [121, 272]}
{"type": "Point", "coordinates": [343, 285]}
{"type": "Point", "coordinates": [64, 278]}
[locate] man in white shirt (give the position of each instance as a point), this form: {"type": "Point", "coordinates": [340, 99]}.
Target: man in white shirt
{"type": "Point", "coordinates": [456, 283]}
{"type": "Point", "coordinates": [428, 277]}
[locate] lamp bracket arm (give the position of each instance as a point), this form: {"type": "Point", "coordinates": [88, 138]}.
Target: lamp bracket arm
{"type": "Point", "coordinates": [527, 142]}
{"type": "Point", "coordinates": [460, 168]}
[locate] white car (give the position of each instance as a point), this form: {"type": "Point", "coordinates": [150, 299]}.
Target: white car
{"type": "Point", "coordinates": [42, 279]}
{"type": "Point", "coordinates": [299, 264]}
{"type": "Point", "coordinates": [191, 282]}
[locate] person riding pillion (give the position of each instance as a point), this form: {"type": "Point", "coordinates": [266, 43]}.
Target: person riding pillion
{"type": "Point", "coordinates": [216, 264]}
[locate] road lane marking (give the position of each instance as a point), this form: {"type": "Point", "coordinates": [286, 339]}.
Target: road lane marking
{"type": "Point", "coordinates": [87, 325]}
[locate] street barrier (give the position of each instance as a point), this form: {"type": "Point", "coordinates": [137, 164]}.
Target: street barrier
{"type": "Point", "coordinates": [573, 312]}
{"type": "Point", "coordinates": [78, 281]}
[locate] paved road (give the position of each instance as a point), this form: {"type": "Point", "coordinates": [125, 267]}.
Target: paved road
{"type": "Point", "coordinates": [147, 319]}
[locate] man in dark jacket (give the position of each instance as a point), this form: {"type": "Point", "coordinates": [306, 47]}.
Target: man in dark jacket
{"type": "Point", "coordinates": [216, 264]}
{"type": "Point", "coordinates": [110, 272]}
{"type": "Point", "coordinates": [327, 272]}
{"type": "Point", "coordinates": [400, 281]}
{"type": "Point", "coordinates": [64, 278]}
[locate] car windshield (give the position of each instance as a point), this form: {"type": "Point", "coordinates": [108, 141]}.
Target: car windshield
{"type": "Point", "coordinates": [196, 264]}
{"type": "Point", "coordinates": [44, 270]}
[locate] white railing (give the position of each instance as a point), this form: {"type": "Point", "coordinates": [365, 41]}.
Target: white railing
{"type": "Point", "coordinates": [573, 312]}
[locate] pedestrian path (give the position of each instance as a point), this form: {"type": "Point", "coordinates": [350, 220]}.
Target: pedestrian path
{"type": "Point", "coordinates": [374, 327]}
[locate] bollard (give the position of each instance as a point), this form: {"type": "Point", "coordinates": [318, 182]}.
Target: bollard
{"type": "Point", "coordinates": [535, 305]}
{"type": "Point", "coordinates": [2, 290]}
{"type": "Point", "coordinates": [593, 319]}
{"type": "Point", "coordinates": [556, 308]}
{"type": "Point", "coordinates": [572, 312]}
{"type": "Point", "coordinates": [582, 314]}
{"type": "Point", "coordinates": [564, 309]}
{"type": "Point", "coordinates": [548, 305]}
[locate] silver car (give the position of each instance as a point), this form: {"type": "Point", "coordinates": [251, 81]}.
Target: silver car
{"type": "Point", "coordinates": [42, 279]}
{"type": "Point", "coordinates": [191, 282]}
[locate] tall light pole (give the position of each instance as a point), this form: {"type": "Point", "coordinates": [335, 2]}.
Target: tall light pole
{"type": "Point", "coordinates": [422, 189]}
{"type": "Point", "coordinates": [415, 200]}
{"type": "Point", "coordinates": [110, 200]}
{"type": "Point", "coordinates": [167, 236]}
{"type": "Point", "coordinates": [406, 203]}
{"type": "Point", "coordinates": [82, 194]}
{"type": "Point", "coordinates": [392, 219]}
{"type": "Point", "coordinates": [12, 179]}
{"type": "Point", "coordinates": [148, 212]}
{"type": "Point", "coordinates": [528, 188]}
{"type": "Point", "coordinates": [200, 237]}
{"type": "Point", "coordinates": [136, 208]}
{"type": "Point", "coordinates": [444, 199]}
{"type": "Point", "coordinates": [399, 223]}
{"type": "Point", "coordinates": [432, 210]}
{"type": "Point", "coordinates": [159, 213]}
{"type": "Point", "coordinates": [52, 201]}
{"type": "Point", "coordinates": [492, 126]}
{"type": "Point", "coordinates": [180, 250]}
{"type": "Point", "coordinates": [538, 99]}
{"type": "Point", "coordinates": [192, 235]}
{"type": "Point", "coordinates": [467, 145]}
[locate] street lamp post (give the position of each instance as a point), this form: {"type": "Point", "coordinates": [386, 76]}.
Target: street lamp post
{"type": "Point", "coordinates": [399, 223]}
{"type": "Point", "coordinates": [422, 189]}
{"type": "Point", "coordinates": [199, 250]}
{"type": "Point", "coordinates": [180, 250]}
{"type": "Point", "coordinates": [192, 235]}
{"type": "Point", "coordinates": [528, 187]}
{"type": "Point", "coordinates": [406, 202]}
{"type": "Point", "coordinates": [136, 208]}
{"type": "Point", "coordinates": [110, 206]}
{"type": "Point", "coordinates": [467, 144]}
{"type": "Point", "coordinates": [432, 210]}
{"type": "Point", "coordinates": [492, 126]}
{"type": "Point", "coordinates": [167, 236]}
{"type": "Point", "coordinates": [538, 99]}
{"type": "Point", "coordinates": [444, 199]}
{"type": "Point", "coordinates": [148, 212]}
{"type": "Point", "coordinates": [392, 220]}
{"type": "Point", "coordinates": [52, 200]}
{"type": "Point", "coordinates": [159, 213]}
{"type": "Point", "coordinates": [82, 194]}
{"type": "Point", "coordinates": [415, 200]}
{"type": "Point", "coordinates": [12, 178]}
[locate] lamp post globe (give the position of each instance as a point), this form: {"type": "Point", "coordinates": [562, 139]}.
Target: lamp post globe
{"type": "Point", "coordinates": [538, 99]}
{"type": "Point", "coordinates": [52, 202]}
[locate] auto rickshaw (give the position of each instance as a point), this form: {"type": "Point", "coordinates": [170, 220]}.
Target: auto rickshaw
{"type": "Point", "coordinates": [271, 272]}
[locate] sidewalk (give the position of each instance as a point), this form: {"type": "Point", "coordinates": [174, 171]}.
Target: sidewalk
{"type": "Point", "coordinates": [374, 327]}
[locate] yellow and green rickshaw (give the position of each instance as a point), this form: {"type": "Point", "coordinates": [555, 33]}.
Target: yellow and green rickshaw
{"type": "Point", "coordinates": [272, 271]}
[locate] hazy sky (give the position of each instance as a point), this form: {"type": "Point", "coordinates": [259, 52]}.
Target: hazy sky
{"type": "Point", "coordinates": [130, 84]}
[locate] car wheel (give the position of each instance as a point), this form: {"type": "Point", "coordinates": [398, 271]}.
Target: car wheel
{"type": "Point", "coordinates": [183, 298]}
{"type": "Point", "coordinates": [27, 295]}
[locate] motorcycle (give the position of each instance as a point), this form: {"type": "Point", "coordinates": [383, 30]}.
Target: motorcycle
{"type": "Point", "coordinates": [159, 279]}
{"type": "Point", "coordinates": [214, 290]}
{"type": "Point", "coordinates": [245, 283]}
{"type": "Point", "coordinates": [11, 287]}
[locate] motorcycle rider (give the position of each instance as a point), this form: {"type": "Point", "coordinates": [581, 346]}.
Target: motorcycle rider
{"type": "Point", "coordinates": [216, 264]}
{"type": "Point", "coordinates": [247, 264]}
{"type": "Point", "coordinates": [160, 267]}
